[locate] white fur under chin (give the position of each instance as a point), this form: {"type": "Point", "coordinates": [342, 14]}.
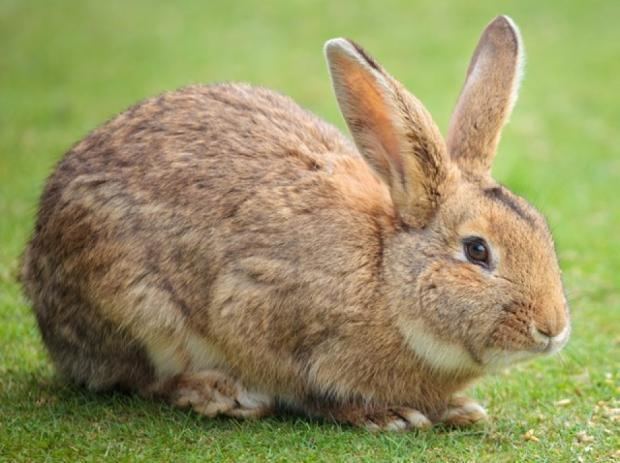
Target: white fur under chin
{"type": "Point", "coordinates": [439, 354]}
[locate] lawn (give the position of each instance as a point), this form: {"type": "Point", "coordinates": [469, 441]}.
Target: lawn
{"type": "Point", "coordinates": [66, 66]}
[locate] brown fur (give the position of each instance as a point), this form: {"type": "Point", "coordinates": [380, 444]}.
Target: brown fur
{"type": "Point", "coordinates": [223, 248]}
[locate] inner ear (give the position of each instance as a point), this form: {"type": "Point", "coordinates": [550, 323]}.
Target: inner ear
{"type": "Point", "coordinates": [370, 113]}
{"type": "Point", "coordinates": [392, 130]}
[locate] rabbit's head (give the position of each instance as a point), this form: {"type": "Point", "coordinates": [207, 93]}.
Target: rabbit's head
{"type": "Point", "coordinates": [472, 273]}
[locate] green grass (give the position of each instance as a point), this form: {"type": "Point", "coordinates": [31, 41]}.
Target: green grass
{"type": "Point", "coordinates": [66, 66]}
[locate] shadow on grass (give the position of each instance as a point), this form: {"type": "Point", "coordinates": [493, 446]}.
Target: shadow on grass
{"type": "Point", "coordinates": [51, 399]}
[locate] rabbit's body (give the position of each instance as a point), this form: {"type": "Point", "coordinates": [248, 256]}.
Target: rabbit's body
{"type": "Point", "coordinates": [176, 243]}
{"type": "Point", "coordinates": [223, 248]}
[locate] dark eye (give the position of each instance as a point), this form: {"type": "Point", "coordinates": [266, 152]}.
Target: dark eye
{"type": "Point", "coordinates": [477, 251]}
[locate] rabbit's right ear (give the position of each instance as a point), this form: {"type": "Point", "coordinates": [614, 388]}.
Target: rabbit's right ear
{"type": "Point", "coordinates": [487, 98]}
{"type": "Point", "coordinates": [392, 130]}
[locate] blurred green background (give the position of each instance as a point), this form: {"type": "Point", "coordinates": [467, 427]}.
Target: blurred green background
{"type": "Point", "coordinates": [67, 66]}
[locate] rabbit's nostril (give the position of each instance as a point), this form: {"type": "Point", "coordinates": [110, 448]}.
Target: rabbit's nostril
{"type": "Point", "coordinates": [548, 337]}
{"type": "Point", "coordinates": [541, 334]}
{"type": "Point", "coordinates": [544, 330]}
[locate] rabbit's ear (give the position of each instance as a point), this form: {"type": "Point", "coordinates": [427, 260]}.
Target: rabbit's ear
{"type": "Point", "coordinates": [487, 98]}
{"type": "Point", "coordinates": [392, 130]}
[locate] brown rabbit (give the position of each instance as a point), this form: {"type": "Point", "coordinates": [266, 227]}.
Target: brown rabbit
{"type": "Point", "coordinates": [222, 248]}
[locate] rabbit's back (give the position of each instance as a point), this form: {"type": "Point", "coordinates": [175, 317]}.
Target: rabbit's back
{"type": "Point", "coordinates": [178, 204]}
{"type": "Point", "coordinates": [200, 137]}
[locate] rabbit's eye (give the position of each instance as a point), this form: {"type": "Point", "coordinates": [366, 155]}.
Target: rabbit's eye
{"type": "Point", "coordinates": [477, 251]}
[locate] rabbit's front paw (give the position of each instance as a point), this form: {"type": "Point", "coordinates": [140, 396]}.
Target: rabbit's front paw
{"type": "Point", "coordinates": [212, 393]}
{"type": "Point", "coordinates": [396, 419]}
{"type": "Point", "coordinates": [379, 418]}
{"type": "Point", "coordinates": [463, 411]}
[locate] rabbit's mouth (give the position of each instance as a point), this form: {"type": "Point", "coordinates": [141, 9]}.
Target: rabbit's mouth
{"type": "Point", "coordinates": [549, 345]}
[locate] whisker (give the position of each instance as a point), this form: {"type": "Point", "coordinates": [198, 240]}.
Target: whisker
{"type": "Point", "coordinates": [561, 359]}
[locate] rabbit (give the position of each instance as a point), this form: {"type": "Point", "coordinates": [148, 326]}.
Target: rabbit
{"type": "Point", "coordinates": [220, 248]}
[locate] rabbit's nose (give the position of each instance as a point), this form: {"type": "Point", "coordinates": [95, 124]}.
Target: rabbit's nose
{"type": "Point", "coordinates": [553, 334]}
{"type": "Point", "coordinates": [555, 343]}
{"type": "Point", "coordinates": [552, 321]}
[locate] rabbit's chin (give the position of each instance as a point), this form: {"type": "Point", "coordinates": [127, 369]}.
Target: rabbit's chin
{"type": "Point", "coordinates": [496, 359]}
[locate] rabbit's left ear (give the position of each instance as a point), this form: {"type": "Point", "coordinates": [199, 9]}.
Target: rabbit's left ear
{"type": "Point", "coordinates": [487, 98]}
{"type": "Point", "coordinates": [392, 130]}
